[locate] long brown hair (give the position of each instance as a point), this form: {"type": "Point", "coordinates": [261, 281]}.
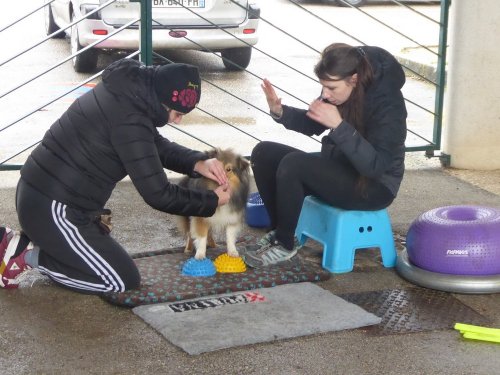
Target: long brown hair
{"type": "Point", "coordinates": [341, 61]}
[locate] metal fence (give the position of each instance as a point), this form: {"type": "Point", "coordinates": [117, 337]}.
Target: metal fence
{"type": "Point", "coordinates": [423, 137]}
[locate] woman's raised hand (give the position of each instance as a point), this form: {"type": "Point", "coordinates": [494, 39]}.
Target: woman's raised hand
{"type": "Point", "coordinates": [272, 99]}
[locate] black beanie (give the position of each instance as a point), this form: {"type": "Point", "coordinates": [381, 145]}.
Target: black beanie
{"type": "Point", "coordinates": [178, 86]}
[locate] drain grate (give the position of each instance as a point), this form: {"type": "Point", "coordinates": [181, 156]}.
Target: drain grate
{"type": "Point", "coordinates": [414, 310]}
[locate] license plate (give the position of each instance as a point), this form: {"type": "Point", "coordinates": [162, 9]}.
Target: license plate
{"type": "Point", "coordinates": [178, 3]}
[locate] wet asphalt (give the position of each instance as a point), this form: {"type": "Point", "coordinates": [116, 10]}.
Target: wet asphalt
{"type": "Point", "coordinates": [49, 330]}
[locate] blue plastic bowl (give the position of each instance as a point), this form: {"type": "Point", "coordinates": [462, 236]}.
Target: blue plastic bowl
{"type": "Point", "coordinates": [256, 214]}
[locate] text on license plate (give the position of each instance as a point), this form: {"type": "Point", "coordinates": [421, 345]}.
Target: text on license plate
{"type": "Point", "coordinates": [178, 3]}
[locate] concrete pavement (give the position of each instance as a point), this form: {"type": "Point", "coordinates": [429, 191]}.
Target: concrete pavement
{"type": "Point", "coordinates": [48, 330]}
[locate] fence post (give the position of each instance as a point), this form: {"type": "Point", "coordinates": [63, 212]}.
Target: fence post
{"type": "Point", "coordinates": [146, 30]}
{"type": "Point", "coordinates": [441, 76]}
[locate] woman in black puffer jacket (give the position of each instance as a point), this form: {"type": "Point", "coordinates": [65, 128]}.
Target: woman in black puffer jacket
{"type": "Point", "coordinates": [105, 135]}
{"type": "Point", "coordinates": [362, 157]}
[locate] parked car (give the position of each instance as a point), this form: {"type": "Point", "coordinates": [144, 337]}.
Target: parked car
{"type": "Point", "coordinates": [225, 26]}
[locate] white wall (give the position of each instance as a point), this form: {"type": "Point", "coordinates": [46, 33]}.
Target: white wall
{"type": "Point", "coordinates": [471, 122]}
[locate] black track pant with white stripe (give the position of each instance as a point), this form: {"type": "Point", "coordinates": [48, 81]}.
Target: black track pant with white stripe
{"type": "Point", "coordinates": [74, 251]}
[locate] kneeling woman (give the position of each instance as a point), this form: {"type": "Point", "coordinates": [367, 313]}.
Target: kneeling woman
{"type": "Point", "coordinates": [105, 135]}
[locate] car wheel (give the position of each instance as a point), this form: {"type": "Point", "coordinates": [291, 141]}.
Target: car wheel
{"type": "Point", "coordinates": [236, 58]}
{"type": "Point", "coordinates": [84, 62]}
{"type": "Point", "coordinates": [354, 3]}
{"type": "Point", "coordinates": [50, 25]}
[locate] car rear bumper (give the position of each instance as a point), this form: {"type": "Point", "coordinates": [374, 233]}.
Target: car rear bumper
{"type": "Point", "coordinates": [195, 39]}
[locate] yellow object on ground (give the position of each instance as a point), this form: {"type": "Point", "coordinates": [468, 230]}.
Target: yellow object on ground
{"type": "Point", "coordinates": [228, 264]}
{"type": "Point", "coordinates": [478, 333]}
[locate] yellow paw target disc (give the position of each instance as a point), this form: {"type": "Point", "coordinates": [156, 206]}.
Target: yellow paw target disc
{"type": "Point", "coordinates": [228, 264]}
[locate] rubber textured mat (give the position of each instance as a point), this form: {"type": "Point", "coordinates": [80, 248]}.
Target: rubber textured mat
{"type": "Point", "coordinates": [414, 310]}
{"type": "Point", "coordinates": [162, 279]}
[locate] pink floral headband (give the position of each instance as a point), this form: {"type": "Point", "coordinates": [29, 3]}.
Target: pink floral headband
{"type": "Point", "coordinates": [187, 97]}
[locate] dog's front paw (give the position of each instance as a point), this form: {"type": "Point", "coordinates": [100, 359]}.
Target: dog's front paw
{"type": "Point", "coordinates": [233, 253]}
{"type": "Point", "coordinates": [199, 256]}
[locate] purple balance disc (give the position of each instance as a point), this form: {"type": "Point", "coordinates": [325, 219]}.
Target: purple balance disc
{"type": "Point", "coordinates": [459, 240]}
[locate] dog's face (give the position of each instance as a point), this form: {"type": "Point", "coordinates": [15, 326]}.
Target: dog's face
{"type": "Point", "coordinates": [236, 166]}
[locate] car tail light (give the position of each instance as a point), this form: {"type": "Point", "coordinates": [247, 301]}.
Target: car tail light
{"type": "Point", "coordinates": [177, 33]}
{"type": "Point", "coordinates": [248, 31]}
{"type": "Point", "coordinates": [100, 32]}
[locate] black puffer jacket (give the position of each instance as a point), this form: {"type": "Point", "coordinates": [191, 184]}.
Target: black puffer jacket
{"type": "Point", "coordinates": [109, 133]}
{"type": "Point", "coordinates": [380, 155]}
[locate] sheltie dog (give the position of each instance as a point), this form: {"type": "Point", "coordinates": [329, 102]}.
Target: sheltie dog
{"type": "Point", "coordinates": [229, 217]}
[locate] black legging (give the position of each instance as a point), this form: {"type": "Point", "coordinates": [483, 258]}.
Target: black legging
{"type": "Point", "coordinates": [285, 176]}
{"type": "Point", "coordinates": [74, 251]}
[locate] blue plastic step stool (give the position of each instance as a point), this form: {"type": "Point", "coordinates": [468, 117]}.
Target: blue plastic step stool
{"type": "Point", "coordinates": [342, 232]}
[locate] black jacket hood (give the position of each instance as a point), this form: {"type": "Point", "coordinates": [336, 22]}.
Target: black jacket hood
{"type": "Point", "coordinates": [387, 72]}
{"type": "Point", "coordinates": [133, 80]}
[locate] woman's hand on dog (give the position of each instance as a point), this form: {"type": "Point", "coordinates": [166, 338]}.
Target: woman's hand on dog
{"type": "Point", "coordinates": [212, 169]}
{"type": "Point", "coordinates": [224, 193]}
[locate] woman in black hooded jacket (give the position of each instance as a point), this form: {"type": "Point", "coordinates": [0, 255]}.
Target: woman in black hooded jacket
{"type": "Point", "coordinates": [105, 135]}
{"type": "Point", "coordinates": [362, 157]}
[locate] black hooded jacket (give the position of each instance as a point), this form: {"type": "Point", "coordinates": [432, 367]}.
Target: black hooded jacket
{"type": "Point", "coordinates": [380, 154]}
{"type": "Point", "coordinates": [109, 133]}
